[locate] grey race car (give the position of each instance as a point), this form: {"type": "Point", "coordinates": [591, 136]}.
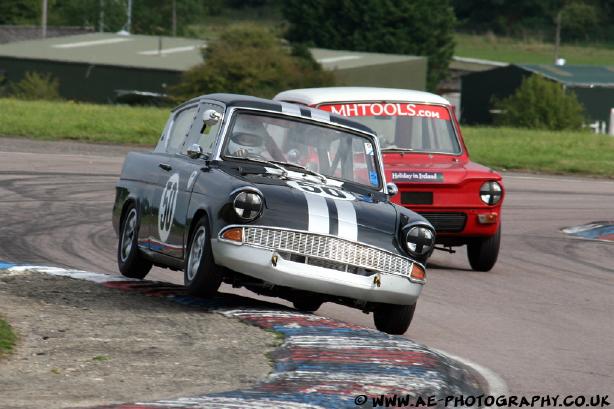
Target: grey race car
{"type": "Point", "coordinates": [281, 199]}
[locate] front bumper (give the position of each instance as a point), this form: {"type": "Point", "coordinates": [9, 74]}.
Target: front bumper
{"type": "Point", "coordinates": [478, 222]}
{"type": "Point", "coordinates": [258, 262]}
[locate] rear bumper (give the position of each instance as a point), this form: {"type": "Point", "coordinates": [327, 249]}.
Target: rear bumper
{"type": "Point", "coordinates": [257, 262]}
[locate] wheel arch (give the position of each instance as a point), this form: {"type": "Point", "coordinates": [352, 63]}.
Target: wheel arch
{"type": "Point", "coordinates": [127, 203]}
{"type": "Point", "coordinates": [198, 214]}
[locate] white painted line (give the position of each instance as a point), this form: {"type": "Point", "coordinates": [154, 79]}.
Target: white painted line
{"type": "Point", "coordinates": [337, 59]}
{"type": "Point", "coordinates": [90, 43]}
{"type": "Point", "coordinates": [165, 51]}
{"type": "Point", "coordinates": [496, 384]}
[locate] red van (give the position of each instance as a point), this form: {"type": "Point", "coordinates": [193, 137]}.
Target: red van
{"type": "Point", "coordinates": [425, 156]}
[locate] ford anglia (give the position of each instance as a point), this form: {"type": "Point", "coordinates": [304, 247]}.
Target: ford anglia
{"type": "Point", "coordinates": [284, 200]}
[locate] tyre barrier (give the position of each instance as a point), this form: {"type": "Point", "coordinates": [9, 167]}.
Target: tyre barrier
{"type": "Point", "coordinates": [322, 362]}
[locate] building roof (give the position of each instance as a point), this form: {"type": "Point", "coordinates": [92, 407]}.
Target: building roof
{"type": "Point", "coordinates": [177, 54]}
{"type": "Point", "coordinates": [467, 64]}
{"type": "Point", "coordinates": [574, 75]}
{"type": "Point", "coordinates": [314, 96]}
{"type": "Point", "coordinates": [342, 60]}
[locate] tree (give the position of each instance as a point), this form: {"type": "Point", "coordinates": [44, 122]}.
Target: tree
{"type": "Point", "coordinates": [543, 104]}
{"type": "Point", "coordinates": [417, 27]}
{"type": "Point", "coordinates": [581, 19]}
{"type": "Point", "coordinates": [248, 59]}
{"type": "Point", "coordinates": [19, 12]}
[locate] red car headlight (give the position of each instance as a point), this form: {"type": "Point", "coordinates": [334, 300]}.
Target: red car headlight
{"type": "Point", "coordinates": [491, 192]}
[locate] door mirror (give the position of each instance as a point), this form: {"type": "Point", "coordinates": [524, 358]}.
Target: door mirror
{"type": "Point", "coordinates": [211, 117]}
{"type": "Point", "coordinates": [195, 151]}
{"type": "Point", "coordinates": [392, 189]}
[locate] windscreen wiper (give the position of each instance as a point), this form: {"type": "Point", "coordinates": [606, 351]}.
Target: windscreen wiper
{"type": "Point", "coordinates": [303, 168]}
{"type": "Point", "coordinates": [398, 150]}
{"type": "Point", "coordinates": [284, 172]}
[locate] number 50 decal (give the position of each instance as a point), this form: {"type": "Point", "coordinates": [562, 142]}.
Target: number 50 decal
{"type": "Point", "coordinates": [324, 191]}
{"type": "Point", "coordinates": [168, 202]}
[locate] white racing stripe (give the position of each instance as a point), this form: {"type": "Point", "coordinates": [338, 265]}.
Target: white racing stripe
{"type": "Point", "coordinates": [319, 114]}
{"type": "Point", "coordinates": [291, 109]}
{"type": "Point", "coordinates": [319, 219]}
{"type": "Point", "coordinates": [346, 214]}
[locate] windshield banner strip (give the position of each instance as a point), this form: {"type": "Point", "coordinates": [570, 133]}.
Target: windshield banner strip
{"type": "Point", "coordinates": [389, 109]}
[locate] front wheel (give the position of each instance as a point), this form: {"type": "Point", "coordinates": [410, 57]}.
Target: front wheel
{"type": "Point", "coordinates": [393, 319]}
{"type": "Point", "coordinates": [483, 253]}
{"type": "Point", "coordinates": [130, 260]}
{"type": "Point", "coordinates": [200, 274]}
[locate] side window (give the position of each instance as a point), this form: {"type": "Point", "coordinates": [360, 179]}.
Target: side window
{"type": "Point", "coordinates": [205, 136]}
{"type": "Point", "coordinates": [179, 130]}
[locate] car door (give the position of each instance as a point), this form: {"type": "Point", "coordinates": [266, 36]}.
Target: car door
{"type": "Point", "coordinates": [189, 169]}
{"type": "Point", "coordinates": [165, 224]}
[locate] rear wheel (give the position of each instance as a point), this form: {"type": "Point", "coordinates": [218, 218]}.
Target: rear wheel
{"type": "Point", "coordinates": [483, 253]}
{"type": "Point", "coordinates": [393, 319]}
{"type": "Point", "coordinates": [130, 260]}
{"type": "Point", "coordinates": [201, 276]}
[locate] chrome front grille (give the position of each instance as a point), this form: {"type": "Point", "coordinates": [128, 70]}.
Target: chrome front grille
{"type": "Point", "coordinates": [329, 248]}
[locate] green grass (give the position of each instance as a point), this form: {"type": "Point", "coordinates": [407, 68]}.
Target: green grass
{"type": "Point", "coordinates": [7, 338]}
{"type": "Point", "coordinates": [84, 122]}
{"type": "Point", "coordinates": [530, 51]}
{"type": "Point", "coordinates": [500, 148]}
{"type": "Point", "coordinates": [542, 151]}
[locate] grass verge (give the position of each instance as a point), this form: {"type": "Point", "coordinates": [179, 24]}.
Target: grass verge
{"type": "Point", "coordinates": [83, 122]}
{"type": "Point", "coordinates": [7, 338]}
{"type": "Point", "coordinates": [500, 148]}
{"type": "Point", "coordinates": [530, 51]}
{"type": "Point", "coordinates": [542, 151]}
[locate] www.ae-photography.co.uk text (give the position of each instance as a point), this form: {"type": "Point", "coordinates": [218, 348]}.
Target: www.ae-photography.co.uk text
{"type": "Point", "coordinates": [481, 401]}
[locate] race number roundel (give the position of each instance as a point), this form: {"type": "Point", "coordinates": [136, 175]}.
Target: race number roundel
{"type": "Point", "coordinates": [168, 202]}
{"type": "Point", "coordinates": [324, 191]}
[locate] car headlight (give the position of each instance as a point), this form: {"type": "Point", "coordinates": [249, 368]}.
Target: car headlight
{"type": "Point", "coordinates": [419, 241]}
{"type": "Point", "coordinates": [491, 193]}
{"type": "Point", "coordinates": [248, 205]}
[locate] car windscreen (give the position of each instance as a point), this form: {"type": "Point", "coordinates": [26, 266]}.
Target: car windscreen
{"type": "Point", "coordinates": [416, 127]}
{"type": "Point", "coordinates": [332, 152]}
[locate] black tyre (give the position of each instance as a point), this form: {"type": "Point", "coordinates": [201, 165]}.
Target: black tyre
{"type": "Point", "coordinates": [307, 304]}
{"type": "Point", "coordinates": [200, 274]}
{"type": "Point", "coordinates": [131, 262]}
{"type": "Point", "coordinates": [393, 319]}
{"type": "Point", "coordinates": [483, 253]}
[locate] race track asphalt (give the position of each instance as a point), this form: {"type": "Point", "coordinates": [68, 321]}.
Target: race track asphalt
{"type": "Point", "coordinates": [543, 318]}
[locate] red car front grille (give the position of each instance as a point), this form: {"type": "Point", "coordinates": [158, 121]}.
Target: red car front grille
{"type": "Point", "coordinates": [446, 222]}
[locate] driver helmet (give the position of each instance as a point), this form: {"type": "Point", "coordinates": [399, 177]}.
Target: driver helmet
{"type": "Point", "coordinates": [247, 136]}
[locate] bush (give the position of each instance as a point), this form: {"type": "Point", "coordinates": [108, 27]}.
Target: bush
{"type": "Point", "coordinates": [542, 104]}
{"type": "Point", "coordinates": [247, 59]}
{"type": "Point", "coordinates": [36, 86]}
